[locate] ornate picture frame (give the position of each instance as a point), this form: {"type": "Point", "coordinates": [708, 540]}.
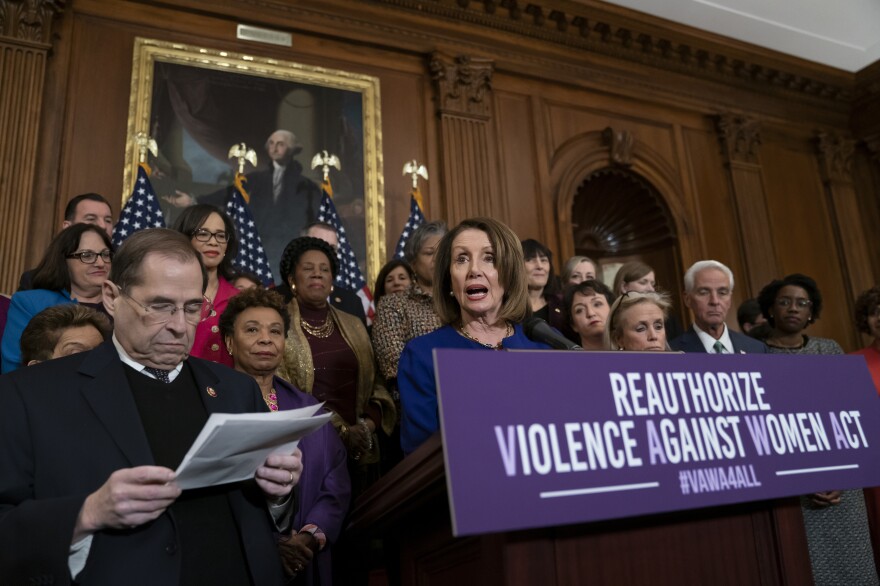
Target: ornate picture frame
{"type": "Point", "coordinates": [197, 102]}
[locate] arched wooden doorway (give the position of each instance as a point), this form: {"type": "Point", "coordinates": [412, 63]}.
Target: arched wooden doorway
{"type": "Point", "coordinates": [618, 216]}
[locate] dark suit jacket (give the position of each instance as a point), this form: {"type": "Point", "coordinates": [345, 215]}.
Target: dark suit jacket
{"type": "Point", "coordinates": [277, 222]}
{"type": "Point", "coordinates": [65, 426]}
{"type": "Point", "coordinates": [690, 342]}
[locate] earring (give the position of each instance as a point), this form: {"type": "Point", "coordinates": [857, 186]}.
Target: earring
{"type": "Point", "coordinates": [229, 350]}
{"type": "Point", "coordinates": [331, 289]}
{"type": "Point", "coordinates": [451, 294]}
{"type": "Point", "coordinates": [293, 289]}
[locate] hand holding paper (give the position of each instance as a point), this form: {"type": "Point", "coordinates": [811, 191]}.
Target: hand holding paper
{"type": "Point", "coordinates": [231, 448]}
{"type": "Point", "coordinates": [279, 474]}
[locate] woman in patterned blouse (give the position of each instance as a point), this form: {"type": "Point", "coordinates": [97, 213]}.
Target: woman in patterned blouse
{"type": "Point", "coordinates": [402, 316]}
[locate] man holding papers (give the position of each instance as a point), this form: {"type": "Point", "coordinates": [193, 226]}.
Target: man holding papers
{"type": "Point", "coordinates": [89, 445]}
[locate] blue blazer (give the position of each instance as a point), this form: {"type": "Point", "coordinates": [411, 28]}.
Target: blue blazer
{"type": "Point", "coordinates": [690, 342]}
{"type": "Point", "coordinates": [24, 306]}
{"type": "Point", "coordinates": [418, 387]}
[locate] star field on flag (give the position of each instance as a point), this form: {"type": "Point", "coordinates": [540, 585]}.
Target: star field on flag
{"type": "Point", "coordinates": [349, 275]}
{"type": "Point", "coordinates": [415, 219]}
{"type": "Point", "coordinates": [251, 257]}
{"type": "Point", "coordinates": [141, 210]}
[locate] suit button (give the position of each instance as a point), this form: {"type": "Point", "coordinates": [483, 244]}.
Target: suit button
{"type": "Point", "coordinates": [215, 347]}
{"type": "Point", "coordinates": [214, 329]}
{"type": "Point", "coordinates": [171, 549]}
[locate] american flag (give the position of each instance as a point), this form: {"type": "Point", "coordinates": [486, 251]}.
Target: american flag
{"type": "Point", "coordinates": [141, 210]}
{"type": "Point", "coordinates": [251, 256]}
{"type": "Point", "coordinates": [415, 219]}
{"type": "Point", "coordinates": [349, 276]}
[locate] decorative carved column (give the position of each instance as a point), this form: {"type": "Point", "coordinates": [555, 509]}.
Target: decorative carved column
{"type": "Point", "coordinates": [872, 141]}
{"type": "Point", "coordinates": [463, 94]}
{"type": "Point", "coordinates": [740, 140]}
{"type": "Point", "coordinates": [25, 41]}
{"type": "Point", "coordinates": [835, 155]}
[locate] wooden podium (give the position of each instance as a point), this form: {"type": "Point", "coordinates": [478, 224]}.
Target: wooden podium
{"type": "Point", "coordinates": [753, 543]}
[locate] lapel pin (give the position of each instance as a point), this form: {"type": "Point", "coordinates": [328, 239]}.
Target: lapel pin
{"type": "Point", "coordinates": [211, 392]}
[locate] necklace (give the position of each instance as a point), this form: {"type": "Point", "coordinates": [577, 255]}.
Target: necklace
{"type": "Point", "coordinates": [498, 346]}
{"type": "Point", "coordinates": [320, 331]}
{"type": "Point", "coordinates": [271, 399]}
{"type": "Point", "coordinates": [775, 344]}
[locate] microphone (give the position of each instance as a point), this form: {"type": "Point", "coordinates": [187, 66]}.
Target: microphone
{"type": "Point", "coordinates": [537, 330]}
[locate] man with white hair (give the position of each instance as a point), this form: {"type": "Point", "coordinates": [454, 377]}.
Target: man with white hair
{"type": "Point", "coordinates": [283, 200]}
{"type": "Point", "coordinates": [708, 292]}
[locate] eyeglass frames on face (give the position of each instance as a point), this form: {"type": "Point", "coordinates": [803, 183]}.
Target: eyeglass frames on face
{"type": "Point", "coordinates": [160, 313]}
{"type": "Point", "coordinates": [786, 302]}
{"type": "Point", "coordinates": [203, 235]}
{"type": "Point", "coordinates": [89, 257]}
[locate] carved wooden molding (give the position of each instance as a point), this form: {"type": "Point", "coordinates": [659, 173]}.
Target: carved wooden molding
{"type": "Point", "coordinates": [873, 143]}
{"type": "Point", "coordinates": [463, 84]}
{"type": "Point", "coordinates": [740, 137]}
{"type": "Point", "coordinates": [29, 20]}
{"type": "Point", "coordinates": [610, 34]}
{"type": "Point", "coordinates": [835, 154]}
{"type": "Point", "coordinates": [620, 144]}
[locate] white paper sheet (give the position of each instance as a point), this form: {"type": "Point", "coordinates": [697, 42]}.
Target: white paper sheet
{"type": "Point", "coordinates": [231, 447]}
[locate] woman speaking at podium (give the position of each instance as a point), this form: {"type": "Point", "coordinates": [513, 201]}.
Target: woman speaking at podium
{"type": "Point", "coordinates": [481, 297]}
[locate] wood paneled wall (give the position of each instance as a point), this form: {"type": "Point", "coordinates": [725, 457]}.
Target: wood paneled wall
{"type": "Point", "coordinates": [727, 133]}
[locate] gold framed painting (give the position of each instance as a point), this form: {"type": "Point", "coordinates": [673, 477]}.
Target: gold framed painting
{"type": "Point", "coordinates": [197, 102]}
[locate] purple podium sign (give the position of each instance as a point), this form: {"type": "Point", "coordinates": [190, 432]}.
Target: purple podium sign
{"type": "Point", "coordinates": [535, 439]}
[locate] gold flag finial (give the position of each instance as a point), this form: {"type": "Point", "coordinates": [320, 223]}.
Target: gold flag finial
{"type": "Point", "coordinates": [415, 170]}
{"type": "Point", "coordinates": [325, 161]}
{"type": "Point", "coordinates": [145, 143]}
{"type": "Point", "coordinates": [241, 152]}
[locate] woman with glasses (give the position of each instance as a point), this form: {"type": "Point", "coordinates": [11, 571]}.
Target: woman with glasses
{"type": "Point", "coordinates": [212, 234]}
{"type": "Point", "coordinates": [73, 270]}
{"type": "Point", "coordinates": [868, 322]}
{"type": "Point", "coordinates": [790, 305]}
{"type": "Point", "coordinates": [835, 521]}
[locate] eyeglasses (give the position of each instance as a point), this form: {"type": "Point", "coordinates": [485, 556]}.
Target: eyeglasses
{"type": "Point", "coordinates": [90, 256]}
{"type": "Point", "coordinates": [160, 313]}
{"type": "Point", "coordinates": [800, 302]}
{"type": "Point", "coordinates": [203, 235]}
{"type": "Point", "coordinates": [615, 309]}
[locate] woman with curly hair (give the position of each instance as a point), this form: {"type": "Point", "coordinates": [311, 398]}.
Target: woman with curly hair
{"type": "Point", "coordinates": [790, 305]}
{"type": "Point", "coordinates": [835, 521]}
{"type": "Point", "coordinates": [328, 354]}
{"type": "Point", "coordinates": [868, 322]}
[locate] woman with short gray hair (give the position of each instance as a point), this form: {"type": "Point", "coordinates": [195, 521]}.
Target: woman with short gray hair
{"type": "Point", "coordinates": [408, 314]}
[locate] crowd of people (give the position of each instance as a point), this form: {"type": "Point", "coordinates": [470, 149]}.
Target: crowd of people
{"type": "Point", "coordinates": [173, 329]}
